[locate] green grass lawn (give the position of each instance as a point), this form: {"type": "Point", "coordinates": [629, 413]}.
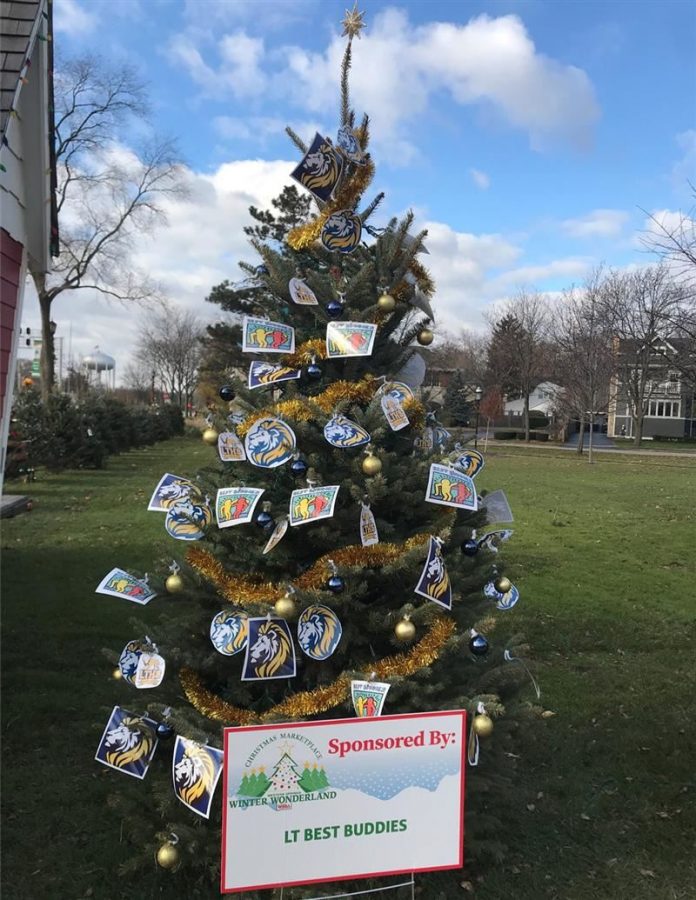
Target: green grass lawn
{"type": "Point", "coordinates": [603, 556]}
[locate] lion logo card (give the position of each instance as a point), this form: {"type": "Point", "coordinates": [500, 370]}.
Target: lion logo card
{"type": "Point", "coordinates": [340, 432]}
{"type": "Point", "coordinates": [196, 769]}
{"type": "Point", "coordinates": [451, 488]}
{"type": "Point", "coordinates": [270, 443]}
{"type": "Point", "coordinates": [129, 659]}
{"type": "Point", "coordinates": [128, 743]}
{"type": "Point", "coordinates": [262, 336]}
{"type": "Point", "coordinates": [171, 490]}
{"type": "Point", "coordinates": [347, 142]}
{"type": "Point", "coordinates": [470, 462]}
{"type": "Point", "coordinates": [187, 521]}
{"type": "Point", "coordinates": [229, 631]}
{"type": "Point", "coordinates": [270, 652]}
{"type": "Point", "coordinates": [235, 505]}
{"type": "Point", "coordinates": [319, 632]}
{"type": "Point", "coordinates": [398, 390]}
{"type": "Point", "coordinates": [119, 583]}
{"type": "Point", "coordinates": [434, 582]}
{"type": "Point", "coordinates": [312, 504]}
{"type": "Point", "coordinates": [263, 374]}
{"type": "Point", "coordinates": [342, 231]}
{"type": "Point", "coordinates": [349, 339]}
{"type": "Point", "coordinates": [320, 169]}
{"type": "Point", "coordinates": [491, 539]}
{"type": "Point", "coordinates": [502, 601]}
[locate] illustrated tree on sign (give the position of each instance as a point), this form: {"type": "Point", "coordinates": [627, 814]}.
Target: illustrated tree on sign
{"type": "Point", "coordinates": [422, 648]}
{"type": "Point", "coordinates": [285, 777]}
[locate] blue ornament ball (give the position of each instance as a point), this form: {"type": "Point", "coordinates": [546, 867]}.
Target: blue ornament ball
{"type": "Point", "coordinates": [298, 467]}
{"type": "Point", "coordinates": [470, 548]}
{"type": "Point", "coordinates": [264, 519]}
{"type": "Point", "coordinates": [334, 309]}
{"type": "Point", "coordinates": [313, 371]}
{"type": "Point", "coordinates": [336, 584]}
{"type": "Point", "coordinates": [227, 393]}
{"type": "Point", "coordinates": [164, 731]}
{"type": "Point", "coordinates": [478, 645]}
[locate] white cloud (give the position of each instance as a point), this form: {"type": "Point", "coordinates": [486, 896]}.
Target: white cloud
{"type": "Point", "coordinates": [259, 128]}
{"type": "Point", "coordinates": [603, 223]}
{"type": "Point", "coordinates": [72, 19]}
{"type": "Point", "coordinates": [240, 69]}
{"type": "Point", "coordinates": [398, 70]}
{"type": "Point", "coordinates": [480, 179]}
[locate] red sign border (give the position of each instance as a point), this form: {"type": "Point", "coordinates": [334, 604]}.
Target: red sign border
{"type": "Point", "coordinates": [324, 722]}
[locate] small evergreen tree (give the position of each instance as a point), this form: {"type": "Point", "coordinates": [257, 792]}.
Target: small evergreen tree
{"type": "Point", "coordinates": [431, 670]}
{"type": "Point", "coordinates": [457, 407]}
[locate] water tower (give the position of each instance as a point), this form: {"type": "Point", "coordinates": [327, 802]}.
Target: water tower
{"type": "Point", "coordinates": [101, 363]}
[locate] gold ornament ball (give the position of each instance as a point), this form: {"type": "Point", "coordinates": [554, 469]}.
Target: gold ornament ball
{"type": "Point", "coordinates": [167, 856]}
{"type": "Point", "coordinates": [405, 630]}
{"type": "Point", "coordinates": [372, 465]}
{"type": "Point", "coordinates": [174, 584]}
{"type": "Point", "coordinates": [425, 337]}
{"type": "Point", "coordinates": [117, 674]}
{"type": "Point", "coordinates": [482, 725]}
{"type": "Point", "coordinates": [210, 436]}
{"type": "Point", "coordinates": [386, 303]}
{"type": "Point", "coordinates": [502, 584]}
{"type": "Point", "coordinates": [285, 607]}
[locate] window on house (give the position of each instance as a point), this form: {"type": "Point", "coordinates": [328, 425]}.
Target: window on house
{"type": "Point", "coordinates": [662, 409]}
{"type": "Point", "coordinates": [673, 377]}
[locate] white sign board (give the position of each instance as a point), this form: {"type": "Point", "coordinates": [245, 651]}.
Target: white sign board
{"type": "Point", "coordinates": [334, 800]}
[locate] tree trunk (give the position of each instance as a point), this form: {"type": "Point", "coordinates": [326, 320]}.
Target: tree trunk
{"type": "Point", "coordinates": [526, 418]}
{"type": "Point", "coordinates": [637, 430]}
{"type": "Point", "coordinates": [591, 437]}
{"type": "Point", "coordinates": [581, 435]}
{"type": "Point", "coordinates": [48, 352]}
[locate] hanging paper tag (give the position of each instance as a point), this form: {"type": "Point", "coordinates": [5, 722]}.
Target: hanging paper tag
{"type": "Point", "coordinates": [261, 374]}
{"type": "Point", "coordinates": [230, 447]}
{"type": "Point", "coordinates": [394, 413]}
{"type": "Point", "coordinates": [319, 632]}
{"type": "Point", "coordinates": [235, 506]}
{"type": "Point", "coordinates": [368, 527]}
{"type": "Point", "coordinates": [434, 582]}
{"type": "Point", "coordinates": [270, 651]}
{"type": "Point", "coordinates": [349, 339]}
{"type": "Point", "coordinates": [312, 504]}
{"type": "Point", "coordinates": [150, 671]}
{"type": "Point", "coordinates": [278, 534]}
{"type": "Point", "coordinates": [301, 293]}
{"type": "Point", "coordinates": [368, 697]}
{"type": "Point", "coordinates": [128, 743]}
{"type": "Point", "coordinates": [270, 443]}
{"type": "Point", "coordinates": [262, 336]}
{"type": "Point", "coordinates": [450, 487]}
{"type": "Point", "coordinates": [428, 440]}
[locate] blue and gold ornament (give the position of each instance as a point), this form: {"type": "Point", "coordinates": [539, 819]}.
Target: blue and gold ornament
{"type": "Point", "coordinates": [342, 231]}
{"type": "Point", "coordinates": [319, 632]}
{"type": "Point", "coordinates": [187, 520]}
{"type": "Point", "coordinates": [229, 632]}
{"type": "Point", "coordinates": [340, 432]}
{"type": "Point", "coordinates": [321, 168]}
{"type": "Point", "coordinates": [270, 443]}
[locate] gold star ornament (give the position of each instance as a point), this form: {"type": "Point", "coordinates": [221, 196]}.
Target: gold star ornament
{"type": "Point", "coordinates": [353, 22]}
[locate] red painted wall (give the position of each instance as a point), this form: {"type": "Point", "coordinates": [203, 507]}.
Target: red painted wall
{"type": "Point", "coordinates": [10, 267]}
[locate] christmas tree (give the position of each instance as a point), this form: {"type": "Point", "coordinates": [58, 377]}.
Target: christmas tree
{"type": "Point", "coordinates": [335, 437]}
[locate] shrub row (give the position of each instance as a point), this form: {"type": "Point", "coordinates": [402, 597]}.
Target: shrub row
{"type": "Point", "coordinates": [63, 434]}
{"type": "Point", "coordinates": [511, 435]}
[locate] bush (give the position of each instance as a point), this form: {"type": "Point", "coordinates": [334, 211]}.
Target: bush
{"type": "Point", "coordinates": [505, 435]}
{"type": "Point", "coordinates": [538, 420]}
{"type": "Point", "coordinates": [63, 434]}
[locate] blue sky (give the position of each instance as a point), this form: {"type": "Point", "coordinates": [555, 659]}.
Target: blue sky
{"type": "Point", "coordinates": [526, 135]}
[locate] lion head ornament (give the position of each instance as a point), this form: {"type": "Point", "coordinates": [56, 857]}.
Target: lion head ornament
{"type": "Point", "coordinates": [318, 632]}
{"type": "Point", "coordinates": [270, 443]}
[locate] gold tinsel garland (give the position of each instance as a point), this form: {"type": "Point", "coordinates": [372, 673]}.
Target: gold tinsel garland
{"type": "Point", "coordinates": [346, 198]}
{"type": "Point", "coordinates": [300, 411]}
{"type": "Point", "coordinates": [321, 699]}
{"type": "Point", "coordinates": [239, 590]}
{"type": "Point", "coordinates": [303, 355]}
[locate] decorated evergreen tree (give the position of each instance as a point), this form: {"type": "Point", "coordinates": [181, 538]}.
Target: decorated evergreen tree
{"type": "Point", "coordinates": [337, 418]}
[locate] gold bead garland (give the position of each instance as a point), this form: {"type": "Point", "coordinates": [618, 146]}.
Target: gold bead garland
{"type": "Point", "coordinates": [321, 699]}
{"type": "Point", "coordinates": [347, 197]}
{"type": "Point", "coordinates": [239, 590]}
{"type": "Point", "coordinates": [301, 411]}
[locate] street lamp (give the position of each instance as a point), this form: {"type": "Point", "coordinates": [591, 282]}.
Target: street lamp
{"type": "Point", "coordinates": [478, 393]}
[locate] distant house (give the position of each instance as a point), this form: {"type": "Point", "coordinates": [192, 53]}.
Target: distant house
{"type": "Point", "coordinates": [542, 400]}
{"type": "Point", "coordinates": [28, 215]}
{"type": "Point", "coordinates": [670, 407]}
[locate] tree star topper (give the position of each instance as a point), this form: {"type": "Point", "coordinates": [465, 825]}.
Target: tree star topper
{"type": "Point", "coordinates": [353, 22]}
